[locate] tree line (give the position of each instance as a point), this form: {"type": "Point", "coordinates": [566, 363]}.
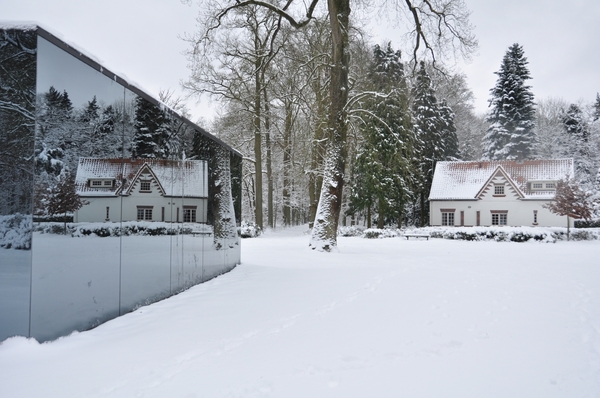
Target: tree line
{"type": "Point", "coordinates": [371, 158]}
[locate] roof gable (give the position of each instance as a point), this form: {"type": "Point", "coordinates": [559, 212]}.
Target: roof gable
{"type": "Point", "coordinates": [499, 173]}
{"type": "Point", "coordinates": [145, 169]}
{"type": "Point", "coordinates": [176, 178]}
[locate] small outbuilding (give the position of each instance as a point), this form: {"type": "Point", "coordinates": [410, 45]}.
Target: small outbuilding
{"type": "Point", "coordinates": [496, 193]}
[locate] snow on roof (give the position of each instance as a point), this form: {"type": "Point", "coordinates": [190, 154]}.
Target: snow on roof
{"type": "Point", "coordinates": [463, 180]}
{"type": "Point", "coordinates": [177, 178]}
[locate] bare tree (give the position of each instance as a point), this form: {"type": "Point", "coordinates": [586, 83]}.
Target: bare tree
{"type": "Point", "coordinates": [231, 63]}
{"type": "Point", "coordinates": [436, 28]}
{"type": "Point", "coordinates": [571, 201]}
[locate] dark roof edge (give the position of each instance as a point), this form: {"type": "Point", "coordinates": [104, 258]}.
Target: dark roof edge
{"type": "Point", "coordinates": [113, 76]}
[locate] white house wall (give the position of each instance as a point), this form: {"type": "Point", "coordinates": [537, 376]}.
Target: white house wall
{"type": "Point", "coordinates": [95, 211]}
{"type": "Point", "coordinates": [167, 209]}
{"type": "Point", "coordinates": [520, 212]}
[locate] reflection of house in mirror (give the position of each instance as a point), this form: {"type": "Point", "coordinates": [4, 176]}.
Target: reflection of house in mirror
{"type": "Point", "coordinates": [145, 190]}
{"type": "Point", "coordinates": [99, 183]}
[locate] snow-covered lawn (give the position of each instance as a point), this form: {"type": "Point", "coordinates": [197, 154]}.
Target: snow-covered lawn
{"type": "Point", "coordinates": [381, 318]}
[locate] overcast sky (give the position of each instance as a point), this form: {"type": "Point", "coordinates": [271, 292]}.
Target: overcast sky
{"type": "Point", "coordinates": [140, 40]}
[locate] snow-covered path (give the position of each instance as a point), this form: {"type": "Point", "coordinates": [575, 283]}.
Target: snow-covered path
{"type": "Point", "coordinates": [382, 318]}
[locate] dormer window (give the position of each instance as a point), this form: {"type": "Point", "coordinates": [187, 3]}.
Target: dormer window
{"type": "Point", "coordinates": [101, 183]}
{"type": "Point", "coordinates": [543, 185]}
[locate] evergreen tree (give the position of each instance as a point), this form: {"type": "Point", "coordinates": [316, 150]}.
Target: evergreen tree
{"type": "Point", "coordinates": [597, 107]}
{"type": "Point", "coordinates": [382, 172]}
{"type": "Point", "coordinates": [90, 112]}
{"type": "Point", "coordinates": [428, 129]}
{"type": "Point", "coordinates": [577, 143]}
{"type": "Point", "coordinates": [56, 133]}
{"type": "Point", "coordinates": [151, 131]}
{"type": "Point", "coordinates": [449, 137]}
{"type": "Point", "coordinates": [511, 133]}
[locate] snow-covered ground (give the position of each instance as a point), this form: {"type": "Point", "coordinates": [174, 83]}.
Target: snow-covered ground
{"type": "Point", "coordinates": [381, 318]}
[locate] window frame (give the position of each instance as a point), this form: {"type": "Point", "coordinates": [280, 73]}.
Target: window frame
{"type": "Point", "coordinates": [101, 182]}
{"type": "Point", "coordinates": [190, 213]}
{"type": "Point", "coordinates": [144, 183]}
{"type": "Point", "coordinates": [448, 218]}
{"type": "Point", "coordinates": [499, 218]}
{"type": "Point", "coordinates": [499, 190]}
{"type": "Point", "coordinates": [146, 213]}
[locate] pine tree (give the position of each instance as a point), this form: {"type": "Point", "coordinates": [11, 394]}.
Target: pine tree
{"type": "Point", "coordinates": [151, 131]}
{"type": "Point", "coordinates": [577, 143]}
{"type": "Point", "coordinates": [449, 137]}
{"type": "Point", "coordinates": [511, 133]}
{"type": "Point", "coordinates": [428, 127]}
{"type": "Point", "coordinates": [597, 107]}
{"type": "Point", "coordinates": [382, 174]}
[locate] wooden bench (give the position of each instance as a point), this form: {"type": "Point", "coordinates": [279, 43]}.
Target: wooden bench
{"type": "Point", "coordinates": [426, 236]}
{"type": "Point", "coordinates": [201, 233]}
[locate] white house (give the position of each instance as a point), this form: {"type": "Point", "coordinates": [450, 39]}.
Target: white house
{"type": "Point", "coordinates": [142, 189]}
{"type": "Point", "coordinates": [497, 192]}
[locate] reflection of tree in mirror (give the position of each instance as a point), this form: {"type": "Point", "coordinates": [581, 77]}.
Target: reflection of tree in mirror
{"type": "Point", "coordinates": [221, 211]}
{"type": "Point", "coordinates": [64, 134]}
{"type": "Point", "coordinates": [151, 132]}
{"type": "Point", "coordinates": [17, 119]}
{"type": "Point", "coordinates": [62, 199]}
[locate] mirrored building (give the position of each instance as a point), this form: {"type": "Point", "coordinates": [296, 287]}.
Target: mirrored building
{"type": "Point", "coordinates": [109, 200]}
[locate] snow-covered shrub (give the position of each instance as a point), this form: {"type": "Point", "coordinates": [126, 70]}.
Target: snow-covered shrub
{"type": "Point", "coordinates": [582, 234]}
{"type": "Point", "coordinates": [498, 234]}
{"type": "Point", "coordinates": [372, 233]}
{"type": "Point", "coordinates": [587, 223]}
{"type": "Point", "coordinates": [15, 231]}
{"type": "Point", "coordinates": [249, 230]}
{"type": "Point", "coordinates": [350, 231]}
{"type": "Point", "coordinates": [129, 228]}
{"type": "Point", "coordinates": [375, 233]}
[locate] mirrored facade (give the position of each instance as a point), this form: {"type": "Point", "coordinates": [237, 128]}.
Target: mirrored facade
{"type": "Point", "coordinates": [108, 200]}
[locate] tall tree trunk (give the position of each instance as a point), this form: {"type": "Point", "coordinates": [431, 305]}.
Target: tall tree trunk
{"type": "Point", "coordinates": [380, 214]}
{"type": "Point", "coordinates": [270, 211]}
{"type": "Point", "coordinates": [287, 164]}
{"type": "Point", "coordinates": [315, 178]}
{"type": "Point", "coordinates": [258, 141]}
{"type": "Point", "coordinates": [324, 233]}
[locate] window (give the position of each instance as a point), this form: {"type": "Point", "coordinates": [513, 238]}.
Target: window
{"type": "Point", "coordinates": [499, 218]}
{"type": "Point", "coordinates": [537, 185]}
{"type": "Point", "coordinates": [144, 213]}
{"type": "Point", "coordinates": [107, 213]}
{"type": "Point", "coordinates": [498, 189]}
{"type": "Point", "coordinates": [535, 217]}
{"type": "Point", "coordinates": [101, 183]}
{"type": "Point", "coordinates": [189, 214]}
{"type": "Point", "coordinates": [144, 186]}
{"type": "Point", "coordinates": [550, 185]}
{"type": "Point", "coordinates": [448, 218]}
